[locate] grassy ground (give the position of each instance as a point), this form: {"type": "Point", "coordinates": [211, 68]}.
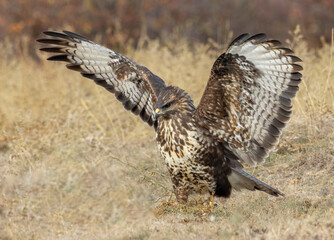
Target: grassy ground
{"type": "Point", "coordinates": [75, 165]}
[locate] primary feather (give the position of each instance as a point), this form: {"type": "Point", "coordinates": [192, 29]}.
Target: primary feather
{"type": "Point", "coordinates": [134, 85]}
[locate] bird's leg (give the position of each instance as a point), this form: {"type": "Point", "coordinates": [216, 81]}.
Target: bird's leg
{"type": "Point", "coordinates": [181, 194]}
{"type": "Point", "coordinates": [211, 199]}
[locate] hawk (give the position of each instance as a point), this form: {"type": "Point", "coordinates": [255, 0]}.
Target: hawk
{"type": "Point", "coordinates": [245, 106]}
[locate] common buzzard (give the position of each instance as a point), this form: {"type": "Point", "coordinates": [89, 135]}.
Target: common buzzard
{"type": "Point", "coordinates": [245, 106]}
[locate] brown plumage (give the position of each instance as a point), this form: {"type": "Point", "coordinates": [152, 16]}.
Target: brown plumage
{"type": "Point", "coordinates": [245, 106]}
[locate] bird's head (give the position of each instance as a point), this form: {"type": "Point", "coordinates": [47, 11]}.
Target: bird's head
{"type": "Point", "coordinates": [173, 100]}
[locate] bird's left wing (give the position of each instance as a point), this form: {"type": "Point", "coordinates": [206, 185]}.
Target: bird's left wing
{"type": "Point", "coordinates": [134, 85]}
{"type": "Point", "coordinates": [247, 100]}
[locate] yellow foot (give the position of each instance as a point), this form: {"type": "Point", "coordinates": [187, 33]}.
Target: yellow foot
{"type": "Point", "coordinates": [211, 199]}
{"type": "Point", "coordinates": [211, 202]}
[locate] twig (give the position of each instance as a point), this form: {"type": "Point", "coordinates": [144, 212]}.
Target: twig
{"type": "Point", "coordinates": [141, 173]}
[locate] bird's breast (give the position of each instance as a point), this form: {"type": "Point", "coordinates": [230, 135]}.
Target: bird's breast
{"type": "Point", "coordinates": [178, 143]}
{"type": "Point", "coordinates": [188, 155]}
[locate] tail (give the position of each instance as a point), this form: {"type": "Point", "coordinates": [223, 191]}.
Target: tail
{"type": "Point", "coordinates": [240, 179]}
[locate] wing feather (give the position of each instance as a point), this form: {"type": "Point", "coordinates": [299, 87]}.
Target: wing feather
{"type": "Point", "coordinates": [133, 85]}
{"type": "Point", "coordinates": [247, 101]}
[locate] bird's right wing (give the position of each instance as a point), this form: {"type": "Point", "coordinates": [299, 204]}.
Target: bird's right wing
{"type": "Point", "coordinates": [134, 85]}
{"type": "Point", "coordinates": [247, 101]}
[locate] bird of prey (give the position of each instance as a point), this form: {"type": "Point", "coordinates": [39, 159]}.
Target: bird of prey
{"type": "Point", "coordinates": [245, 106]}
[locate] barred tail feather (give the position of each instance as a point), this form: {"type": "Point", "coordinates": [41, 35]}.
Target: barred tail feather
{"type": "Point", "coordinates": [240, 179]}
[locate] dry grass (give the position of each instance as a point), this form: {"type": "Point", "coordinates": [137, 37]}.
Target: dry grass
{"type": "Point", "coordinates": [75, 165]}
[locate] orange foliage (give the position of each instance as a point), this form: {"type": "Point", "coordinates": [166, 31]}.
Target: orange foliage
{"type": "Point", "coordinates": [118, 22]}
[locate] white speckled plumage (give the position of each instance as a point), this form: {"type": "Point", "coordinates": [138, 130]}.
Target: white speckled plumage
{"type": "Point", "coordinates": [245, 106]}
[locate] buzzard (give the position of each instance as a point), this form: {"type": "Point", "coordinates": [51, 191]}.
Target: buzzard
{"type": "Point", "coordinates": [245, 106]}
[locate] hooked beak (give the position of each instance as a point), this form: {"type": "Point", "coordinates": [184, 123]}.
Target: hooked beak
{"type": "Point", "coordinates": [157, 113]}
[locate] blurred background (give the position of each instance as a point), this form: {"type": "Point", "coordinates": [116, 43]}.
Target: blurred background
{"type": "Point", "coordinates": [121, 22]}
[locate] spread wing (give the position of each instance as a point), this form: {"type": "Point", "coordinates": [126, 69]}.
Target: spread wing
{"type": "Point", "coordinates": [134, 85]}
{"type": "Point", "coordinates": [247, 101]}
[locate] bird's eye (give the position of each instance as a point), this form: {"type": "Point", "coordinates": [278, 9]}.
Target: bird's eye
{"type": "Point", "coordinates": [167, 105]}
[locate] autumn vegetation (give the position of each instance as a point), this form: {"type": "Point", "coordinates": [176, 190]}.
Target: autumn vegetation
{"type": "Point", "coordinates": [75, 165]}
{"type": "Point", "coordinates": [119, 23]}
